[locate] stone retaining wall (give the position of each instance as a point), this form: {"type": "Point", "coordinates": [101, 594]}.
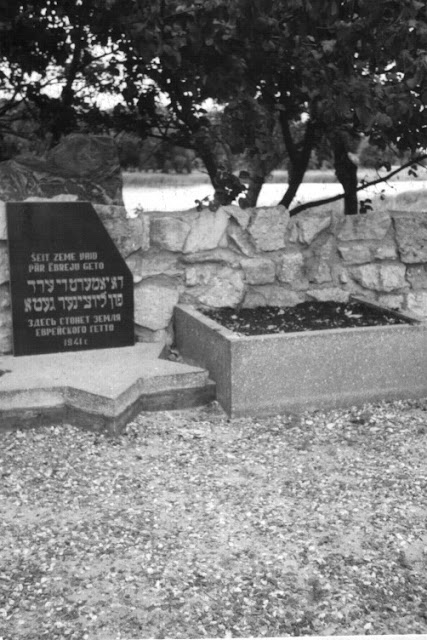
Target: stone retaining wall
{"type": "Point", "coordinates": [257, 257]}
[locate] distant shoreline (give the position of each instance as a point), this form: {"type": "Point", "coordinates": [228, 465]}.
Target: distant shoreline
{"type": "Point", "coordinates": [314, 176]}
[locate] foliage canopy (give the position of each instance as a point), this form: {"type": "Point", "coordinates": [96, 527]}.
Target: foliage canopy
{"type": "Point", "coordinates": [291, 75]}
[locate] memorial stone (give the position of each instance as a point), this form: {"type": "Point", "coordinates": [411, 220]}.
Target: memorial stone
{"type": "Point", "coordinates": [71, 290]}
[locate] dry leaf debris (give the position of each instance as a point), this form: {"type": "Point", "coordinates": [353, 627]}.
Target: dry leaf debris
{"type": "Point", "coordinates": [192, 525]}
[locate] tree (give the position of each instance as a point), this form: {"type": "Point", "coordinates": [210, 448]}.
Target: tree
{"type": "Point", "coordinates": [56, 58]}
{"type": "Point", "coordinates": [309, 73]}
{"type": "Point", "coordinates": [336, 68]}
{"type": "Point", "coordinates": [342, 67]}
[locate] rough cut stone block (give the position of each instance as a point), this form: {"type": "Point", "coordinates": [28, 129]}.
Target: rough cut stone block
{"type": "Point", "coordinates": [147, 335]}
{"type": "Point", "coordinates": [207, 231]}
{"type": "Point", "coordinates": [5, 319]}
{"type": "Point", "coordinates": [268, 228]}
{"type": "Point", "coordinates": [134, 262]}
{"type": "Point", "coordinates": [241, 216]}
{"type": "Point", "coordinates": [411, 200]}
{"type": "Point", "coordinates": [291, 269]}
{"type": "Point", "coordinates": [169, 233]}
{"type": "Point", "coordinates": [417, 276]}
{"type": "Point", "coordinates": [334, 293]}
{"type": "Point", "coordinates": [223, 255]}
{"type": "Point", "coordinates": [127, 233]}
{"type": "Point", "coordinates": [411, 236]}
{"type": "Point", "coordinates": [201, 274]}
{"type": "Point", "coordinates": [145, 231]}
{"type": "Point", "coordinates": [355, 253]}
{"type": "Point", "coordinates": [259, 270]}
{"type": "Point", "coordinates": [292, 230]}
{"type": "Point", "coordinates": [319, 273]}
{"type": "Point", "coordinates": [224, 287]}
{"type": "Point", "coordinates": [380, 277]}
{"type": "Point", "coordinates": [254, 299]}
{"type": "Point", "coordinates": [392, 301]}
{"type": "Point", "coordinates": [386, 251]}
{"type": "Point", "coordinates": [3, 223]}
{"type": "Point", "coordinates": [275, 295]}
{"type": "Point", "coordinates": [240, 238]}
{"type": "Point", "coordinates": [319, 265]}
{"type": "Point", "coordinates": [310, 224]}
{"type": "Point", "coordinates": [417, 303]}
{"type": "Point", "coordinates": [158, 263]}
{"type": "Point", "coordinates": [154, 303]}
{"type": "Point", "coordinates": [367, 226]}
{"type": "Point", "coordinates": [4, 263]}
{"type": "Point", "coordinates": [5, 298]}
{"type": "Point", "coordinates": [6, 340]}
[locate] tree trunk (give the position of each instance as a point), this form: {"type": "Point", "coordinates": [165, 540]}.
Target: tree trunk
{"type": "Point", "coordinates": [295, 178]}
{"type": "Point", "coordinates": [346, 172]}
{"type": "Point", "coordinates": [299, 157]}
{"type": "Point", "coordinates": [255, 185]}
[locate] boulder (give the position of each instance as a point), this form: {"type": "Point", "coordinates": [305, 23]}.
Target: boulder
{"type": "Point", "coordinates": [380, 277]}
{"type": "Point", "coordinates": [169, 233]}
{"type": "Point", "coordinates": [215, 285]}
{"type": "Point", "coordinates": [332, 293]}
{"type": "Point", "coordinates": [268, 228]}
{"type": "Point", "coordinates": [415, 200]}
{"type": "Point", "coordinates": [222, 255]}
{"type": "Point", "coordinates": [82, 165]}
{"type": "Point", "coordinates": [417, 303]}
{"type": "Point", "coordinates": [4, 262]}
{"type": "Point", "coordinates": [259, 270]}
{"type": "Point", "coordinates": [417, 276]}
{"type": "Point", "coordinates": [271, 295]}
{"type": "Point", "coordinates": [291, 269]}
{"type": "Point", "coordinates": [366, 226]}
{"type": "Point", "coordinates": [387, 251]}
{"type": "Point", "coordinates": [240, 238]}
{"type": "Point", "coordinates": [153, 263]}
{"type": "Point", "coordinates": [6, 339]}
{"type": "Point", "coordinates": [241, 216]}
{"type": "Point", "coordinates": [163, 336]}
{"type": "Point", "coordinates": [201, 274]}
{"type": "Point", "coordinates": [319, 264]}
{"type": "Point", "coordinates": [355, 253]}
{"type": "Point", "coordinates": [3, 221]}
{"type": "Point", "coordinates": [207, 231]}
{"type": "Point", "coordinates": [154, 302]}
{"type": "Point", "coordinates": [311, 224]}
{"type": "Point", "coordinates": [6, 334]}
{"type": "Point", "coordinates": [391, 301]}
{"type": "Point", "coordinates": [128, 234]}
{"type": "Point", "coordinates": [411, 236]}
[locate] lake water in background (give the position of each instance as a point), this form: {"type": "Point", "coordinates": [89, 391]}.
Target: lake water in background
{"type": "Point", "coordinates": [171, 198]}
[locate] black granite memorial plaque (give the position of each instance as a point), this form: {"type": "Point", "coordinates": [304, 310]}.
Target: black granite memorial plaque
{"type": "Point", "coordinates": [71, 290]}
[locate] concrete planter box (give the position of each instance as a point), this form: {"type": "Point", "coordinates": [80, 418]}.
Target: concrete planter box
{"type": "Point", "coordinates": [271, 374]}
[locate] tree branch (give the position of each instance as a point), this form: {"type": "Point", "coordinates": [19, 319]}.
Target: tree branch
{"type": "Point", "coordinates": [287, 137]}
{"type": "Point", "coordinates": [365, 185]}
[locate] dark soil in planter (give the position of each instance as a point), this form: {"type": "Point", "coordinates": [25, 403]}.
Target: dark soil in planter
{"type": "Point", "coordinates": [306, 316]}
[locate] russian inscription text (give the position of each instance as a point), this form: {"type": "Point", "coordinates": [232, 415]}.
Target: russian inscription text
{"type": "Point", "coordinates": [70, 287]}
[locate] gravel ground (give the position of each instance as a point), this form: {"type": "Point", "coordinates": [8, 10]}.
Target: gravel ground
{"type": "Point", "coordinates": [192, 525]}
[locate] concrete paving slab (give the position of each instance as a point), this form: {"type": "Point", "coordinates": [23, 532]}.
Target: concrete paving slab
{"type": "Point", "coordinates": [108, 386]}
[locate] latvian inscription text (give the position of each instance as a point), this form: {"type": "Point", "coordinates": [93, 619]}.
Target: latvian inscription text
{"type": "Point", "coordinates": [70, 287]}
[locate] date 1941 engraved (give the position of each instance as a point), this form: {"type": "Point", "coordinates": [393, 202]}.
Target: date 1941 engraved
{"type": "Point", "coordinates": [70, 287]}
